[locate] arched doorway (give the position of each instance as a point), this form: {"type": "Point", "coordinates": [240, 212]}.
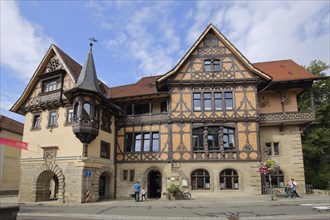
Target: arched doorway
{"type": "Point", "coordinates": [104, 186]}
{"type": "Point", "coordinates": [49, 181]}
{"type": "Point", "coordinates": [47, 186]}
{"type": "Point", "coordinates": [154, 184]}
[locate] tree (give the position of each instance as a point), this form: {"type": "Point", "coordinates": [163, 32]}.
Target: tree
{"type": "Point", "coordinates": [316, 138]}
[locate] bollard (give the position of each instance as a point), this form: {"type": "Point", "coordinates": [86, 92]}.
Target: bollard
{"type": "Point", "coordinates": [87, 196]}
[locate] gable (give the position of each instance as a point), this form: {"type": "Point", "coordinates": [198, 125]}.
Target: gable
{"type": "Point", "coordinates": [213, 45]}
{"type": "Point", "coordinates": [55, 63]}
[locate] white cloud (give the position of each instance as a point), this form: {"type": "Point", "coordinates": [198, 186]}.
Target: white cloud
{"type": "Point", "coordinates": [147, 35]}
{"type": "Point", "coordinates": [273, 30]}
{"type": "Point", "coordinates": [22, 43]}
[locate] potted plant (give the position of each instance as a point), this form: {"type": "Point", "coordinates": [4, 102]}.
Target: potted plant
{"type": "Point", "coordinates": [268, 168]}
{"type": "Point", "coordinates": [172, 190]}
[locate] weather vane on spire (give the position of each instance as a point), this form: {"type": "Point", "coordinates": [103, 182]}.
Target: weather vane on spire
{"type": "Point", "coordinates": [92, 39]}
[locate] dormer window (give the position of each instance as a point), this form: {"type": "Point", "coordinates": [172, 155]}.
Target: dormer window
{"type": "Point", "coordinates": [212, 65]}
{"type": "Point", "coordinates": [52, 85]}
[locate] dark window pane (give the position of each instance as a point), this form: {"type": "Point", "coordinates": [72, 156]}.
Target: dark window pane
{"type": "Point", "coordinates": [131, 175]}
{"type": "Point", "coordinates": [268, 149]}
{"type": "Point", "coordinates": [129, 142]}
{"type": "Point", "coordinates": [76, 109]}
{"type": "Point", "coordinates": [125, 174]}
{"type": "Point", "coordinates": [129, 110]}
{"type": "Point", "coordinates": [141, 109]}
{"type": "Point", "coordinates": [276, 148]}
{"type": "Point", "coordinates": [163, 106]}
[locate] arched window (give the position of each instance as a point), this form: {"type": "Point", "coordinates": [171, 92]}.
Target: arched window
{"type": "Point", "coordinates": [76, 110]}
{"type": "Point", "coordinates": [228, 179]}
{"type": "Point", "coordinates": [96, 113]}
{"type": "Point", "coordinates": [86, 109]}
{"type": "Point", "coordinates": [277, 179]}
{"type": "Point", "coordinates": [200, 179]}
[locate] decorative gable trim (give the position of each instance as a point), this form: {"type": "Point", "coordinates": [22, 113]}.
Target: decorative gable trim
{"type": "Point", "coordinates": [226, 42]}
{"type": "Point", "coordinates": [51, 60]}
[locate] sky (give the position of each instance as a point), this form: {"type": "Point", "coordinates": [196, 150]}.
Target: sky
{"type": "Point", "coordinates": [143, 38]}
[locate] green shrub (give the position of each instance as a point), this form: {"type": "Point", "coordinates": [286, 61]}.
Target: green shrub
{"type": "Point", "coordinates": [173, 188]}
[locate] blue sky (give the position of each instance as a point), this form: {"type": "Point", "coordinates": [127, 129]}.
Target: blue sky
{"type": "Point", "coordinates": [143, 38]}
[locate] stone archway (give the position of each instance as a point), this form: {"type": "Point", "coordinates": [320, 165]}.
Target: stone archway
{"type": "Point", "coordinates": [110, 182]}
{"type": "Point", "coordinates": [42, 182]}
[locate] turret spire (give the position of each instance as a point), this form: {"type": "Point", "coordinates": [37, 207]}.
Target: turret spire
{"type": "Point", "coordinates": [92, 39]}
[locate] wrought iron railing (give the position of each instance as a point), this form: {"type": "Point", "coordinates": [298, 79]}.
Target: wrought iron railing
{"type": "Point", "coordinates": [289, 116]}
{"type": "Point", "coordinates": [145, 118]}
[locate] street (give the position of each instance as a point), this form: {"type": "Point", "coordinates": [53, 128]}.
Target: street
{"type": "Point", "coordinates": [229, 208]}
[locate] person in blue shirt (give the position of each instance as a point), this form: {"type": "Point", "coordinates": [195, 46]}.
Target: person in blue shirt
{"type": "Point", "coordinates": [137, 187]}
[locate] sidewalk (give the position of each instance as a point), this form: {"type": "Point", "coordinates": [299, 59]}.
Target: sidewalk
{"type": "Point", "coordinates": [202, 201]}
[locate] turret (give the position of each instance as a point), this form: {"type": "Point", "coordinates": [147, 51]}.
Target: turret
{"type": "Point", "coordinates": [87, 98]}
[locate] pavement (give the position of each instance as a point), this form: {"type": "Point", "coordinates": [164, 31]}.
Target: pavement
{"type": "Point", "coordinates": [217, 208]}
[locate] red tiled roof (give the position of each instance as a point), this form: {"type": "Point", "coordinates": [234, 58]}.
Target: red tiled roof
{"type": "Point", "coordinates": [144, 86]}
{"type": "Point", "coordinates": [11, 125]}
{"type": "Point", "coordinates": [284, 70]}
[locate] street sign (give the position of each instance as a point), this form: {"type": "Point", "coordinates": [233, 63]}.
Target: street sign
{"type": "Point", "coordinates": [88, 173]}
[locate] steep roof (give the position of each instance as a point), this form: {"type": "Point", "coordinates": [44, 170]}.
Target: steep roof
{"type": "Point", "coordinates": [285, 70]}
{"type": "Point", "coordinates": [144, 86]}
{"type": "Point", "coordinates": [226, 42]}
{"type": "Point", "coordinates": [11, 125]}
{"type": "Point", "coordinates": [71, 64]}
{"type": "Point", "coordinates": [87, 79]}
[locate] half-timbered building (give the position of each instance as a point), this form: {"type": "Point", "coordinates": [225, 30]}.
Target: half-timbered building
{"type": "Point", "coordinates": [205, 125]}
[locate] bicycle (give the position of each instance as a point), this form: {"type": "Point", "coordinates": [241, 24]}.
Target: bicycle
{"type": "Point", "coordinates": [276, 192]}
{"type": "Point", "coordinates": [182, 195]}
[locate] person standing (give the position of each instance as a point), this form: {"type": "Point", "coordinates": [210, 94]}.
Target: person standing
{"type": "Point", "coordinates": [137, 187]}
{"type": "Point", "coordinates": [294, 188]}
{"type": "Point", "coordinates": [143, 194]}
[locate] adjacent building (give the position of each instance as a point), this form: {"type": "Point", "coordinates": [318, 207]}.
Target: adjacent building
{"type": "Point", "coordinates": [10, 156]}
{"type": "Point", "coordinates": [205, 125]}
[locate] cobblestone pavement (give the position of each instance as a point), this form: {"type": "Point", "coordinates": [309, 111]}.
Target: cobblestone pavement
{"type": "Point", "coordinates": [256, 207]}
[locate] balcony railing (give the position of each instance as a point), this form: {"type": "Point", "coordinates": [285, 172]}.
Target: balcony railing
{"type": "Point", "coordinates": [288, 117]}
{"type": "Point", "coordinates": [44, 101]}
{"type": "Point", "coordinates": [145, 118]}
